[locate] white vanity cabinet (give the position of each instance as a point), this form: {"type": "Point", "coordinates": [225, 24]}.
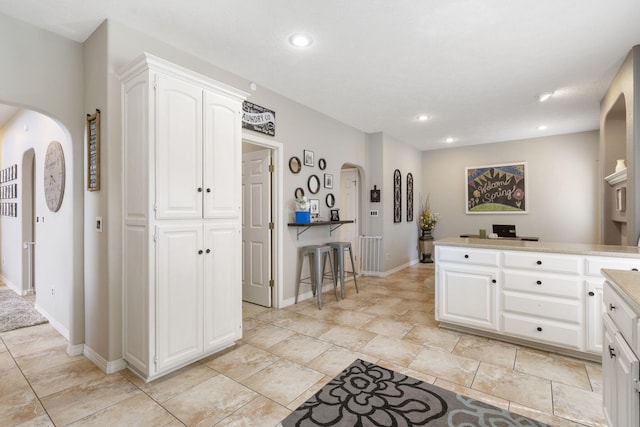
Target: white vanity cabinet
{"type": "Point", "coordinates": [620, 364]}
{"type": "Point", "coordinates": [469, 292]}
{"type": "Point", "coordinates": [182, 216]}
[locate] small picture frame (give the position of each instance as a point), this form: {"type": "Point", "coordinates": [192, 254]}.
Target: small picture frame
{"type": "Point", "coordinates": [314, 206]}
{"type": "Point", "coordinates": [335, 215]}
{"type": "Point", "coordinates": [328, 180]}
{"type": "Point", "coordinates": [93, 151]}
{"type": "Point", "coordinates": [308, 158]}
{"type": "Point", "coordinates": [322, 164]}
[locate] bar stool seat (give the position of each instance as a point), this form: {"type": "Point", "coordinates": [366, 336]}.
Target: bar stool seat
{"type": "Point", "coordinates": [338, 259]}
{"type": "Point", "coordinates": [317, 255]}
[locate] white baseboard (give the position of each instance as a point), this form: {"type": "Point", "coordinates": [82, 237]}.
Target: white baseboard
{"type": "Point", "coordinates": [9, 284]}
{"type": "Point", "coordinates": [106, 366]}
{"type": "Point", "coordinates": [56, 325]}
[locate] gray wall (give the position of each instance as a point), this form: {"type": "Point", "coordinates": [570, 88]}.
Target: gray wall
{"type": "Point", "coordinates": [562, 187]}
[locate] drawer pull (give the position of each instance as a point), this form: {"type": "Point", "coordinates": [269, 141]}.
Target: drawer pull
{"type": "Point", "coordinates": [591, 293]}
{"type": "Point", "coordinates": [538, 282]}
{"type": "Point", "coordinates": [466, 256]}
{"type": "Point", "coordinates": [200, 252]}
{"type": "Point", "coordinates": [208, 190]}
{"type": "Point", "coordinates": [612, 307]}
{"type": "Point", "coordinates": [208, 251]}
{"type": "Point", "coordinates": [539, 262]}
{"type": "Point", "coordinates": [539, 329]}
{"type": "Point", "coordinates": [493, 281]}
{"type": "Point", "coordinates": [199, 189]}
{"type": "Point", "coordinates": [634, 269]}
{"type": "Point", "coordinates": [612, 352]}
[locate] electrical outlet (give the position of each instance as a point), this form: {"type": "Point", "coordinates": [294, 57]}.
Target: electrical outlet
{"type": "Point", "coordinates": [53, 292]}
{"type": "Point", "coordinates": [99, 224]}
{"type": "Point", "coordinates": [373, 212]}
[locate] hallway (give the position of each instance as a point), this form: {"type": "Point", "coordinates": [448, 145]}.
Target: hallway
{"type": "Point", "coordinates": [286, 356]}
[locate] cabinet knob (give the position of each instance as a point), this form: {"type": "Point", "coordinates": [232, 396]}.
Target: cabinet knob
{"type": "Point", "coordinates": [612, 307]}
{"type": "Point", "coordinates": [612, 352]}
{"type": "Point", "coordinates": [208, 251]}
{"type": "Point", "coordinates": [539, 262]}
{"type": "Point", "coordinates": [200, 252]}
{"type": "Point", "coordinates": [539, 329]}
{"type": "Point", "coordinates": [199, 189]}
{"type": "Point", "coordinates": [493, 281]}
{"type": "Point", "coordinates": [538, 282]}
{"type": "Point", "coordinates": [208, 190]}
{"type": "Point", "coordinates": [466, 256]}
{"type": "Point", "coordinates": [591, 293]}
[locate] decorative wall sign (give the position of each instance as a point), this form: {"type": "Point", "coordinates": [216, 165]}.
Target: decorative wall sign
{"type": "Point", "coordinates": [409, 197]}
{"type": "Point", "coordinates": [259, 119]}
{"type": "Point", "coordinates": [93, 151]}
{"type": "Point", "coordinates": [496, 188]}
{"type": "Point", "coordinates": [375, 194]}
{"type": "Point", "coordinates": [397, 196]}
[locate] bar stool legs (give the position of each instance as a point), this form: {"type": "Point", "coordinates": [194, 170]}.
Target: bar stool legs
{"type": "Point", "coordinates": [338, 257]}
{"type": "Point", "coordinates": [318, 256]}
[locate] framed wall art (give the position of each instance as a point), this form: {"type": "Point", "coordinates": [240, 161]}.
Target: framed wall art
{"type": "Point", "coordinates": [308, 157]}
{"type": "Point", "coordinates": [328, 180]}
{"type": "Point", "coordinates": [409, 197]}
{"type": "Point", "coordinates": [397, 196]}
{"type": "Point", "coordinates": [93, 151]}
{"type": "Point", "coordinates": [496, 189]}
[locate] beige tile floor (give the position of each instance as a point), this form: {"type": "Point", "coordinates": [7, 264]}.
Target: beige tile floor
{"type": "Point", "coordinates": [286, 356]}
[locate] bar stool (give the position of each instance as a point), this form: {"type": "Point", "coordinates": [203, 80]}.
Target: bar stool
{"type": "Point", "coordinates": [338, 258]}
{"type": "Point", "coordinates": [318, 255]}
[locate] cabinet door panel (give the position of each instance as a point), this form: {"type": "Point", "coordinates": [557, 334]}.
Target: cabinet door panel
{"type": "Point", "coordinates": [595, 311]}
{"type": "Point", "coordinates": [468, 297]}
{"type": "Point", "coordinates": [222, 286]}
{"type": "Point", "coordinates": [179, 294]}
{"type": "Point", "coordinates": [178, 149]}
{"type": "Point", "coordinates": [222, 154]}
{"type": "Point", "coordinates": [609, 377]}
{"type": "Point", "coordinates": [628, 399]}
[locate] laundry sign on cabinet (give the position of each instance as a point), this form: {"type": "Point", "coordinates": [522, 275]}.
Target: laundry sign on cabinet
{"type": "Point", "coordinates": [258, 118]}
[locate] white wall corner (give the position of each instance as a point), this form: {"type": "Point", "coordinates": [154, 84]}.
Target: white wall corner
{"type": "Point", "coordinates": [75, 350]}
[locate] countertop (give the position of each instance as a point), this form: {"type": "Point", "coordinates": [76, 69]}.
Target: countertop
{"type": "Point", "coordinates": [627, 281]}
{"type": "Point", "coordinates": [552, 247]}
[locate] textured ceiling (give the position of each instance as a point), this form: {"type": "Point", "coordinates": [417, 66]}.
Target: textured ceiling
{"type": "Point", "coordinates": [474, 66]}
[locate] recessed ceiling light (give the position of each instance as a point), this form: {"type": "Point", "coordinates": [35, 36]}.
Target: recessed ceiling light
{"type": "Point", "coordinates": [449, 140]}
{"type": "Point", "coordinates": [423, 118]}
{"type": "Point", "coordinates": [545, 96]}
{"type": "Point", "coordinates": [300, 40]}
{"type": "Point", "coordinates": [542, 127]}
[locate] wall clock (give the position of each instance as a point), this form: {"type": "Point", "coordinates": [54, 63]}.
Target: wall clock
{"type": "Point", "coordinates": [54, 176]}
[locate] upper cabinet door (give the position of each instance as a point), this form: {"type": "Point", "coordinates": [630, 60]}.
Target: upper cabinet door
{"type": "Point", "coordinates": [222, 156]}
{"type": "Point", "coordinates": [179, 186]}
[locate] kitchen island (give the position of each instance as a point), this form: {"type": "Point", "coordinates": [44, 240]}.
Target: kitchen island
{"type": "Point", "coordinates": [547, 295]}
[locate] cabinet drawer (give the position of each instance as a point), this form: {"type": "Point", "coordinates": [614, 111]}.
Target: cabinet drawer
{"type": "Point", "coordinates": [564, 335]}
{"type": "Point", "coordinates": [467, 256]}
{"type": "Point", "coordinates": [541, 261]}
{"type": "Point", "coordinates": [543, 284]}
{"type": "Point", "coordinates": [622, 315]}
{"type": "Point", "coordinates": [595, 264]}
{"type": "Point", "coordinates": [543, 307]}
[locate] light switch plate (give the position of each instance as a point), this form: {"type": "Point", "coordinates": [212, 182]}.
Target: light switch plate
{"type": "Point", "coordinates": [99, 224]}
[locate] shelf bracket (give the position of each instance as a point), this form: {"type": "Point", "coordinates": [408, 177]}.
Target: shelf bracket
{"type": "Point", "coordinates": [298, 232]}
{"type": "Point", "coordinates": [333, 228]}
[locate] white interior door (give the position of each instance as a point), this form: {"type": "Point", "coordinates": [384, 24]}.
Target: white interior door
{"type": "Point", "coordinates": [256, 235]}
{"type": "Point", "coordinates": [349, 208]}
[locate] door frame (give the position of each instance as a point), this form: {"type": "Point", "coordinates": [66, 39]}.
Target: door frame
{"type": "Point", "coordinates": [277, 208]}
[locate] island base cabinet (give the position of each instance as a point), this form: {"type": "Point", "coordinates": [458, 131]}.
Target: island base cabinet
{"type": "Point", "coordinates": [621, 379]}
{"type": "Point", "coordinates": [468, 297]}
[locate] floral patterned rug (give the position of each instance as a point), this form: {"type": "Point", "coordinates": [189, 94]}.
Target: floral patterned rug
{"type": "Point", "coordinates": [365, 394]}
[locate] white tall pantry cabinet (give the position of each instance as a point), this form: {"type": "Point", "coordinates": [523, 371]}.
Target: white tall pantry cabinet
{"type": "Point", "coordinates": [182, 295]}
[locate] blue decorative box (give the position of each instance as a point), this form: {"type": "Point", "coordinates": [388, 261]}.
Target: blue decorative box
{"type": "Point", "coordinates": [303, 217]}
